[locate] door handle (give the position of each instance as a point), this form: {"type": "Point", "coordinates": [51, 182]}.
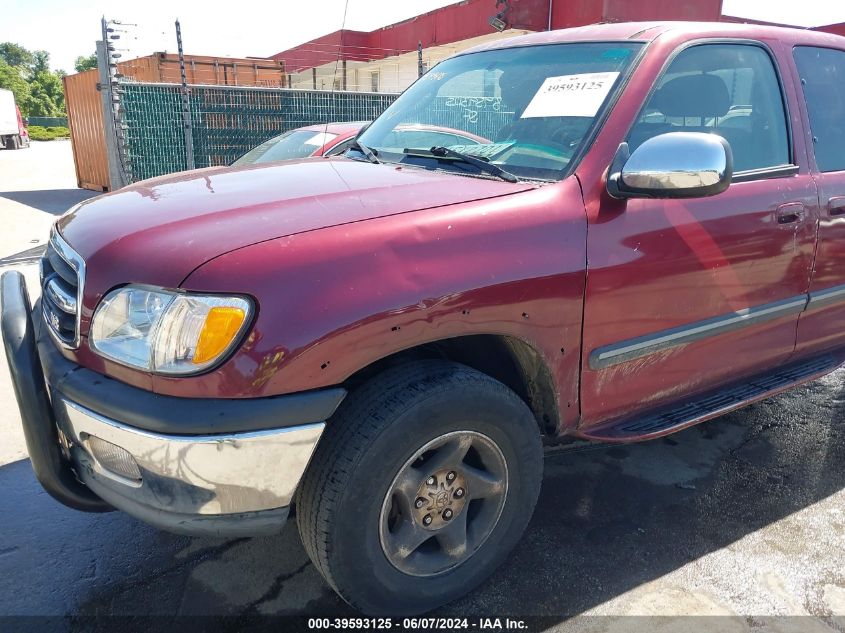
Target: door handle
{"type": "Point", "coordinates": [790, 213]}
{"type": "Point", "coordinates": [836, 206]}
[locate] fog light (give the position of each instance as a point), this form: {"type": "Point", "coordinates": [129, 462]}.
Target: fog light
{"type": "Point", "coordinates": [113, 458]}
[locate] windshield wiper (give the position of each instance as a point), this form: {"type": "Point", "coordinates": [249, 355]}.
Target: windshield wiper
{"type": "Point", "coordinates": [446, 153]}
{"type": "Point", "coordinates": [369, 154]}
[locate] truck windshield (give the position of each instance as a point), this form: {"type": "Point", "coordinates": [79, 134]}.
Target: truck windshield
{"type": "Point", "coordinates": [528, 108]}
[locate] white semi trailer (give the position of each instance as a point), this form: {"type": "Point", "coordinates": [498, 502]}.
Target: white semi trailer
{"type": "Point", "coordinates": [13, 134]}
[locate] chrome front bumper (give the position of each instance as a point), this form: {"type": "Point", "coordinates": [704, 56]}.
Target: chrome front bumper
{"type": "Point", "coordinates": [234, 484]}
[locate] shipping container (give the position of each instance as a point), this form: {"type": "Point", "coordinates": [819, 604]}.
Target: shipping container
{"type": "Point", "coordinates": [204, 70]}
{"type": "Point", "coordinates": [87, 133]}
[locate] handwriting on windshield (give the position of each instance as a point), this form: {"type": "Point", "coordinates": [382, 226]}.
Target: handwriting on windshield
{"type": "Point", "coordinates": [472, 106]}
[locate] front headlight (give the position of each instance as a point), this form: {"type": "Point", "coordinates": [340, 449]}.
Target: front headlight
{"type": "Point", "coordinates": [167, 332]}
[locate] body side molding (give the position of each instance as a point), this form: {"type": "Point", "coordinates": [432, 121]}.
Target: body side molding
{"type": "Point", "coordinates": [633, 348]}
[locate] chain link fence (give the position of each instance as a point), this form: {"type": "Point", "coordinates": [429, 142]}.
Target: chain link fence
{"type": "Point", "coordinates": [226, 121]}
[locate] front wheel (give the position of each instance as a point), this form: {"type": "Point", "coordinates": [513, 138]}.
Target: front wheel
{"type": "Point", "coordinates": [421, 485]}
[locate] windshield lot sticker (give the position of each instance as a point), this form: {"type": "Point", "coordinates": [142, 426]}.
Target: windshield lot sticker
{"type": "Point", "coordinates": [570, 95]}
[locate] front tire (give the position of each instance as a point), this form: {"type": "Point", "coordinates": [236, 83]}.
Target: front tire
{"type": "Point", "coordinates": [421, 485]}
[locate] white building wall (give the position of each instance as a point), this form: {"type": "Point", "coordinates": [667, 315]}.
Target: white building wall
{"type": "Point", "coordinates": [394, 73]}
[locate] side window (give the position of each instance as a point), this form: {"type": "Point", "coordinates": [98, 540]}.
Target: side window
{"type": "Point", "coordinates": [340, 148]}
{"type": "Point", "coordinates": [726, 89]}
{"type": "Point", "coordinates": [822, 73]}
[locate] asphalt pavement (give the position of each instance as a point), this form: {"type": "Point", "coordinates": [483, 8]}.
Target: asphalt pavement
{"type": "Point", "coordinates": [741, 518]}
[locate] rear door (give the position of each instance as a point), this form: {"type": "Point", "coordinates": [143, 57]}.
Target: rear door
{"type": "Point", "coordinates": [822, 73]}
{"type": "Point", "coordinates": [683, 295]}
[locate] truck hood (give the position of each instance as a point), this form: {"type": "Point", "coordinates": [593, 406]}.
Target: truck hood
{"type": "Point", "coordinates": [158, 231]}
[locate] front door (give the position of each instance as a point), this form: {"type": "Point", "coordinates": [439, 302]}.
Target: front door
{"type": "Point", "coordinates": [822, 72]}
{"type": "Point", "coordinates": [683, 295]}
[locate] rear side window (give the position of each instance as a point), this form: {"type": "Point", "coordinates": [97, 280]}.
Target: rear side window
{"type": "Point", "coordinates": [822, 73]}
{"type": "Point", "coordinates": [340, 148]}
{"type": "Point", "coordinates": [726, 89]}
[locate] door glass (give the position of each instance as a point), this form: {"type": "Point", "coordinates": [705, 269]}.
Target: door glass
{"type": "Point", "coordinates": [340, 148]}
{"type": "Point", "coordinates": [726, 89]}
{"type": "Point", "coordinates": [822, 73]}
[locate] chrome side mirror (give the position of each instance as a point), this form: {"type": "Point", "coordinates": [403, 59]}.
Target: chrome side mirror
{"type": "Point", "coordinates": [672, 165]}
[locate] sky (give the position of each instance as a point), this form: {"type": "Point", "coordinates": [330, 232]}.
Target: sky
{"type": "Point", "coordinates": [67, 28]}
{"type": "Point", "coordinates": [244, 28]}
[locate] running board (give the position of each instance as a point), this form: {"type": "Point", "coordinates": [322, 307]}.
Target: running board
{"type": "Point", "coordinates": [713, 404]}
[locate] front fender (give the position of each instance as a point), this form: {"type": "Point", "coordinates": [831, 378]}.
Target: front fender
{"type": "Point", "coordinates": [334, 300]}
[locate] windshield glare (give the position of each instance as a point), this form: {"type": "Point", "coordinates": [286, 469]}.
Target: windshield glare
{"type": "Point", "coordinates": [525, 109]}
{"type": "Point", "coordinates": [294, 144]}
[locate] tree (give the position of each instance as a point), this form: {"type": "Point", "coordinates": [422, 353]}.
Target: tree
{"type": "Point", "coordinates": [47, 97]}
{"type": "Point", "coordinates": [11, 79]}
{"type": "Point", "coordinates": [85, 63]}
{"type": "Point", "coordinates": [16, 55]}
{"type": "Point", "coordinates": [38, 90]}
{"type": "Point", "coordinates": [40, 62]}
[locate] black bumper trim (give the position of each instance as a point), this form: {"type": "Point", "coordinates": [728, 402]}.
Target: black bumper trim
{"type": "Point", "coordinates": [39, 426]}
{"type": "Point", "coordinates": [171, 415]}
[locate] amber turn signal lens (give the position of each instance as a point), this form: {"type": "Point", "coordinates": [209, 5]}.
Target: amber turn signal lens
{"type": "Point", "coordinates": [221, 326]}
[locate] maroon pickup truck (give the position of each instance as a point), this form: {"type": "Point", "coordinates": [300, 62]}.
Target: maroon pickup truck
{"type": "Point", "coordinates": [653, 235]}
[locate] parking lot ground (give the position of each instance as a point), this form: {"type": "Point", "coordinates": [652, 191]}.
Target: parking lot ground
{"type": "Point", "coordinates": [36, 185]}
{"type": "Point", "coordinates": [743, 516]}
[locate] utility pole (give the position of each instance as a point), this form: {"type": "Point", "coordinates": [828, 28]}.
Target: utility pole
{"type": "Point", "coordinates": [419, 59]}
{"type": "Point", "coordinates": [110, 101]}
{"type": "Point", "coordinates": [186, 104]}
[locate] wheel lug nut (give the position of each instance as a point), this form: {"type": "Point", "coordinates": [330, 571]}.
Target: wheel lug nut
{"type": "Point", "coordinates": [459, 492]}
{"type": "Point", "coordinates": [451, 476]}
{"type": "Point", "coordinates": [427, 519]}
{"type": "Point", "coordinates": [447, 513]}
{"type": "Point", "coordinates": [430, 481]}
{"type": "Point", "coordinates": [419, 503]}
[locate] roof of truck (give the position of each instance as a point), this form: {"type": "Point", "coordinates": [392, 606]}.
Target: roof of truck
{"type": "Point", "coordinates": [648, 31]}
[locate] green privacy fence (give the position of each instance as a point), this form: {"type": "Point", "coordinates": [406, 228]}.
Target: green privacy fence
{"type": "Point", "coordinates": [226, 121]}
{"type": "Point", "coordinates": [48, 121]}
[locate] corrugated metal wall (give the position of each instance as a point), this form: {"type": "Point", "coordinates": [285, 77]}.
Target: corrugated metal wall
{"type": "Point", "coordinates": [87, 132]}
